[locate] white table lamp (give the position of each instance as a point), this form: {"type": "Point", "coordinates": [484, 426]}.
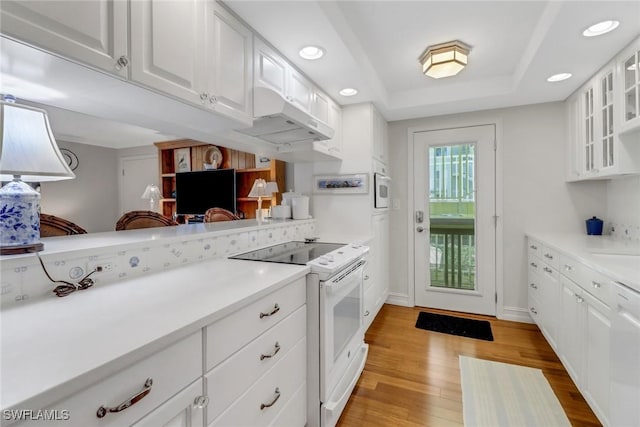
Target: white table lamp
{"type": "Point", "coordinates": [260, 189]}
{"type": "Point", "coordinates": [152, 193]}
{"type": "Point", "coordinates": [28, 152]}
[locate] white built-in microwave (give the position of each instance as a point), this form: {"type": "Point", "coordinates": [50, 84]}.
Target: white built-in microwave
{"type": "Point", "coordinates": [381, 187]}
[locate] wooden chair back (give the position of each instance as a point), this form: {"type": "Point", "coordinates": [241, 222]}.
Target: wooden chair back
{"type": "Point", "coordinates": [51, 226]}
{"type": "Point", "coordinates": [143, 219]}
{"type": "Point", "coordinates": [219, 214]}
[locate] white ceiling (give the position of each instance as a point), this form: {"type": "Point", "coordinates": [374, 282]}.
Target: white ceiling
{"type": "Point", "coordinates": [374, 46]}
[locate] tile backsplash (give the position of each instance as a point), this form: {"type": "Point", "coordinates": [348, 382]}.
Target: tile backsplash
{"type": "Point", "coordinates": [23, 279]}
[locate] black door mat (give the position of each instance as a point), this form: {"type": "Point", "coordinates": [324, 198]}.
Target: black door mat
{"type": "Point", "coordinates": [470, 328]}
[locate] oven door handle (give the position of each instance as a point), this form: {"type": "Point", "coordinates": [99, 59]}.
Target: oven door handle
{"type": "Point", "coordinates": [343, 278]}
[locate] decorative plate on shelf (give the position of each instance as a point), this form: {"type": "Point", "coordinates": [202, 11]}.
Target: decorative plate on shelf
{"type": "Point", "coordinates": [212, 158]}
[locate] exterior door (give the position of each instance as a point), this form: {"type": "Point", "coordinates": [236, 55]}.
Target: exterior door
{"type": "Point", "coordinates": [454, 222]}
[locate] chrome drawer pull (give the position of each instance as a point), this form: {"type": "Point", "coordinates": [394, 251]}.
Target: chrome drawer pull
{"type": "Point", "coordinates": [534, 265]}
{"type": "Point", "coordinates": [534, 247]}
{"type": "Point", "coordinates": [568, 267]}
{"type": "Point", "coordinates": [548, 256]}
{"type": "Point", "coordinates": [102, 411]}
{"type": "Point", "coordinates": [275, 351]}
{"type": "Point", "coordinates": [548, 270]}
{"type": "Point", "coordinates": [533, 310]}
{"type": "Point", "coordinates": [276, 308]}
{"type": "Point", "coordinates": [533, 285]}
{"type": "Point", "coordinates": [596, 284]}
{"type": "Point", "coordinates": [269, 405]}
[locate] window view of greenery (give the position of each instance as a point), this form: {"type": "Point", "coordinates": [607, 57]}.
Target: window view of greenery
{"type": "Point", "coordinates": [452, 216]}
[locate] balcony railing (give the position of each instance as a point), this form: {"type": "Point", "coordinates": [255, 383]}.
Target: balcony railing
{"type": "Point", "coordinates": [452, 257]}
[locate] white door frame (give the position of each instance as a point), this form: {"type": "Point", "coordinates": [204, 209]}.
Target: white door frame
{"type": "Point", "coordinates": [497, 122]}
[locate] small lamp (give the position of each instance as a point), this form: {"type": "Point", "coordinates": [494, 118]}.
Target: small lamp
{"type": "Point", "coordinates": [260, 189]}
{"type": "Point", "coordinates": [152, 193]}
{"type": "Point", "coordinates": [28, 152]}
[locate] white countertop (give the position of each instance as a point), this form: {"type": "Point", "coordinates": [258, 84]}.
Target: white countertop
{"type": "Point", "coordinates": [61, 345]}
{"type": "Point", "coordinates": [617, 259]}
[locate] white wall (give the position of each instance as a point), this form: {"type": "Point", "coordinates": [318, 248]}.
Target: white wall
{"type": "Point", "coordinates": [623, 207]}
{"type": "Point", "coordinates": [535, 194]}
{"type": "Point", "coordinates": [91, 199]}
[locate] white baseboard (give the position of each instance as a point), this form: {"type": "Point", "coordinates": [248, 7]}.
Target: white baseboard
{"type": "Point", "coordinates": [516, 314]}
{"type": "Point", "coordinates": [398, 299]}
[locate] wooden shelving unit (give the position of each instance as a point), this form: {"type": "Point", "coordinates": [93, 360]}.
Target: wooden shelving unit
{"type": "Point", "coordinates": [242, 162]}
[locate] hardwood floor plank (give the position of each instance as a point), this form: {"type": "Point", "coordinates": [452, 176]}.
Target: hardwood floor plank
{"type": "Point", "coordinates": [412, 376]}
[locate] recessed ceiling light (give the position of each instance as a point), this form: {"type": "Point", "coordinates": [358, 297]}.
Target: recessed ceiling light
{"type": "Point", "coordinates": [311, 52]}
{"type": "Point", "coordinates": [348, 91]}
{"type": "Point", "coordinates": [600, 28]}
{"type": "Point", "coordinates": [559, 77]}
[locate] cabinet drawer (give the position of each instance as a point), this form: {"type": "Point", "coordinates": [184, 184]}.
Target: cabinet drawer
{"type": "Point", "coordinates": [260, 405]}
{"type": "Point", "coordinates": [535, 286]}
{"type": "Point", "coordinates": [535, 309]}
{"type": "Point", "coordinates": [591, 281]}
{"type": "Point", "coordinates": [229, 334]}
{"type": "Point", "coordinates": [181, 410]}
{"type": "Point", "coordinates": [235, 375]}
{"type": "Point", "coordinates": [295, 411]}
{"type": "Point", "coordinates": [171, 370]}
{"type": "Point", "coordinates": [571, 268]}
{"type": "Point", "coordinates": [550, 256]}
{"type": "Point", "coordinates": [534, 248]}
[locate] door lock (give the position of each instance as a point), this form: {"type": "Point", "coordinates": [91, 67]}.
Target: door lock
{"type": "Point", "coordinates": [419, 217]}
{"type": "Point", "coordinates": [419, 229]}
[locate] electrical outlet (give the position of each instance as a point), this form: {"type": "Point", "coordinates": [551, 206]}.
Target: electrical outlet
{"type": "Point", "coordinates": [106, 268]}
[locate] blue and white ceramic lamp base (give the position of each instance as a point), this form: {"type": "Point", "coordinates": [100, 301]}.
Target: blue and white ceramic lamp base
{"type": "Point", "coordinates": [19, 219]}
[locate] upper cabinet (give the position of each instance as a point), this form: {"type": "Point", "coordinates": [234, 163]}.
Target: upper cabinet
{"type": "Point", "coordinates": [380, 143]}
{"type": "Point", "coordinates": [167, 47]}
{"type": "Point", "coordinates": [197, 52]}
{"type": "Point", "coordinates": [603, 123]}
{"type": "Point", "coordinates": [92, 32]}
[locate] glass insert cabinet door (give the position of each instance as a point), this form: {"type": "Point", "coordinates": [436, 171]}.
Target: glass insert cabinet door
{"type": "Point", "coordinates": [452, 213]}
{"type": "Point", "coordinates": [606, 96]}
{"type": "Point", "coordinates": [631, 86]}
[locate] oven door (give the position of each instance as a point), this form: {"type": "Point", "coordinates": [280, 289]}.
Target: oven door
{"type": "Point", "coordinates": [341, 332]}
{"type": "Point", "coordinates": [381, 188]}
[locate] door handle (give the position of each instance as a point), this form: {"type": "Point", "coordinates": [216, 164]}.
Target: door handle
{"type": "Point", "coordinates": [419, 229]}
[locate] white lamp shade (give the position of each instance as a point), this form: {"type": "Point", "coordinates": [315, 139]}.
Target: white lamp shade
{"type": "Point", "coordinates": [152, 192]}
{"type": "Point", "coordinates": [27, 146]}
{"type": "Point", "coordinates": [261, 188]}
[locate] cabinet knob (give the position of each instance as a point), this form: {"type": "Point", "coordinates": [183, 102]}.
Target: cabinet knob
{"type": "Point", "coordinates": [549, 256]}
{"type": "Point", "coordinates": [533, 285]}
{"type": "Point", "coordinates": [213, 99]}
{"type": "Point", "coordinates": [533, 264]}
{"type": "Point", "coordinates": [548, 270]}
{"type": "Point", "coordinates": [568, 267]}
{"type": "Point", "coordinates": [534, 247]}
{"type": "Point", "coordinates": [596, 284]}
{"type": "Point", "coordinates": [201, 402]}
{"type": "Point", "coordinates": [204, 96]}
{"type": "Point", "coordinates": [122, 62]}
{"type": "Point", "coordinates": [533, 310]}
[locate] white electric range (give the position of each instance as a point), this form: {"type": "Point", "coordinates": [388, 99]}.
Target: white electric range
{"type": "Point", "coordinates": [336, 351]}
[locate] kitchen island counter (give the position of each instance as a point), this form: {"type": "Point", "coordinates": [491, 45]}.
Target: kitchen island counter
{"type": "Point", "coordinates": [55, 347]}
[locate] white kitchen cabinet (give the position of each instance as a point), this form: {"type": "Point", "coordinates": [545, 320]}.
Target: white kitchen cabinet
{"type": "Point", "coordinates": [380, 137]}
{"type": "Point", "coordinates": [571, 347]}
{"type": "Point", "coordinates": [603, 127]}
{"type": "Point", "coordinates": [229, 63]}
{"type": "Point", "coordinates": [270, 69]}
{"type": "Point", "coordinates": [597, 379]}
{"type": "Point", "coordinates": [148, 384]}
{"type": "Point", "coordinates": [544, 290]}
{"type": "Point", "coordinates": [256, 361]}
{"type": "Point", "coordinates": [167, 47]}
{"type": "Point", "coordinates": [376, 285]}
{"type": "Point", "coordinates": [335, 121]}
{"type": "Point", "coordinates": [184, 409]}
{"type": "Point", "coordinates": [91, 32]}
{"type": "Point", "coordinates": [320, 105]}
{"type": "Point", "coordinates": [299, 90]}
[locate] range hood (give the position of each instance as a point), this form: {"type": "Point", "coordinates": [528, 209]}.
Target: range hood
{"type": "Point", "coordinates": [280, 122]}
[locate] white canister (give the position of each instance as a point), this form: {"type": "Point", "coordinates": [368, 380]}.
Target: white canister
{"type": "Point", "coordinates": [281, 211]}
{"type": "Point", "coordinates": [300, 207]}
{"type": "Point", "coordinates": [286, 197]}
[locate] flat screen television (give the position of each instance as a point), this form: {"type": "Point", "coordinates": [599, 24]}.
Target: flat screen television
{"type": "Point", "coordinates": [198, 191]}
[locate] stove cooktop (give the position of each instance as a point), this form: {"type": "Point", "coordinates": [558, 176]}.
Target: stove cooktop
{"type": "Point", "coordinates": [299, 253]}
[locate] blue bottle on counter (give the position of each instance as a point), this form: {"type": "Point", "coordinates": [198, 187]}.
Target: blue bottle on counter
{"type": "Point", "coordinates": [594, 226]}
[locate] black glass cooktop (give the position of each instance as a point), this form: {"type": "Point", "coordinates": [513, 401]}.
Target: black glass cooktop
{"type": "Point", "coordinates": [290, 253]}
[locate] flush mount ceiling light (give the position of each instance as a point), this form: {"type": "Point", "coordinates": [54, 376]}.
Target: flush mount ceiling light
{"type": "Point", "coordinates": [559, 77]}
{"type": "Point", "coordinates": [311, 52]}
{"type": "Point", "coordinates": [348, 91]}
{"type": "Point", "coordinates": [444, 60]}
{"type": "Point", "coordinates": [600, 28]}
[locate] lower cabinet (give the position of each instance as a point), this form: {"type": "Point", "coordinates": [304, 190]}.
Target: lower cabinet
{"type": "Point", "coordinates": [376, 273]}
{"type": "Point", "coordinates": [255, 374]}
{"type": "Point", "coordinates": [570, 304]}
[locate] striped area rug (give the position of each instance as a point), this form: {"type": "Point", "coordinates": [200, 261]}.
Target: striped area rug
{"type": "Point", "coordinates": [499, 394]}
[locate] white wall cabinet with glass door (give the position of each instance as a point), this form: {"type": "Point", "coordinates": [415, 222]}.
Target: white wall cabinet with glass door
{"type": "Point", "coordinates": [603, 124]}
{"type": "Point", "coordinates": [91, 32]}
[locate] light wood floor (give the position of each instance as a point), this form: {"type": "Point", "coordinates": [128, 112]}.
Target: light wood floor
{"type": "Point", "coordinates": [412, 376]}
